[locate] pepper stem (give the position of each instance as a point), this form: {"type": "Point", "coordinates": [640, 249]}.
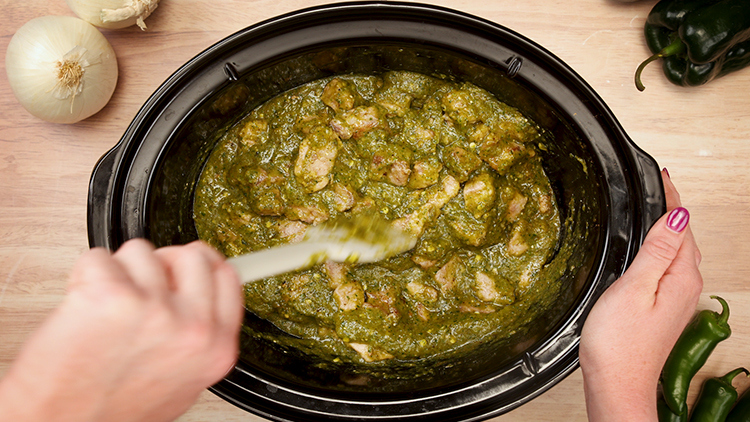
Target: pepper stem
{"type": "Point", "coordinates": [728, 378]}
{"type": "Point", "coordinates": [724, 316]}
{"type": "Point", "coordinates": [676, 47]}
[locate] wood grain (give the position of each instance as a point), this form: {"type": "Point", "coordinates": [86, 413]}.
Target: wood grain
{"type": "Point", "coordinates": [702, 135]}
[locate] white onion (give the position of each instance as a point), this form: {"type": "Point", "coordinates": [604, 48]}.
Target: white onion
{"type": "Point", "coordinates": [113, 14]}
{"type": "Point", "coordinates": [61, 69]}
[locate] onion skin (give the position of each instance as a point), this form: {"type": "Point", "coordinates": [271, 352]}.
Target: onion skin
{"type": "Point", "coordinates": [33, 62]}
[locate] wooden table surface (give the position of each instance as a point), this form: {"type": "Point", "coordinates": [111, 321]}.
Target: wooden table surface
{"type": "Point", "coordinates": [702, 135]}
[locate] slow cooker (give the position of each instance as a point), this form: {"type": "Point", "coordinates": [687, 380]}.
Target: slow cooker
{"type": "Point", "coordinates": [609, 192]}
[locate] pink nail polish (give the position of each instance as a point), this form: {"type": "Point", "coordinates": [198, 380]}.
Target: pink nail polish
{"type": "Point", "coordinates": [678, 219]}
{"type": "Point", "coordinates": [666, 172]}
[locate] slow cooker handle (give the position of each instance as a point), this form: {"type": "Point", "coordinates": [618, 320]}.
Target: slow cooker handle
{"type": "Point", "coordinates": [99, 207]}
{"type": "Point", "coordinates": [653, 204]}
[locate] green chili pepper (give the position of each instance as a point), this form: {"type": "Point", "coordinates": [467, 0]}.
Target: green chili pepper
{"type": "Point", "coordinates": [716, 398]}
{"type": "Point", "coordinates": [691, 351]}
{"type": "Point", "coordinates": [666, 414]}
{"type": "Point", "coordinates": [741, 410]}
{"type": "Point", "coordinates": [698, 40]}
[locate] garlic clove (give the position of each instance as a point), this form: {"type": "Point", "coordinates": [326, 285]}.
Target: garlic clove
{"type": "Point", "coordinates": [114, 14]}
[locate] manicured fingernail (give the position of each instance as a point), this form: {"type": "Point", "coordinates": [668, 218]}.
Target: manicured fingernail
{"type": "Point", "coordinates": [666, 172]}
{"type": "Point", "coordinates": [678, 219]}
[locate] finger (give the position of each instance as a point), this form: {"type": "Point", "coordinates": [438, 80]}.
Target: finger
{"type": "Point", "coordinates": [230, 312]}
{"type": "Point", "coordinates": [681, 286]}
{"type": "Point", "coordinates": [229, 298]}
{"type": "Point", "coordinates": [659, 250]}
{"type": "Point", "coordinates": [145, 270]}
{"type": "Point", "coordinates": [674, 201]}
{"type": "Point", "coordinates": [96, 266]}
{"type": "Point", "coordinates": [670, 191]}
{"type": "Point", "coordinates": [191, 268]}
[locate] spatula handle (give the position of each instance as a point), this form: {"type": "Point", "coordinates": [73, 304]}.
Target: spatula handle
{"type": "Point", "coordinates": [278, 260]}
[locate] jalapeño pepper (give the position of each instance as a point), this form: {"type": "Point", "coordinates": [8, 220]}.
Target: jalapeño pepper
{"type": "Point", "coordinates": [716, 398]}
{"type": "Point", "coordinates": [698, 40]}
{"type": "Point", "coordinates": [691, 351]}
{"type": "Point", "coordinates": [741, 410]}
{"type": "Point", "coordinates": [665, 414]}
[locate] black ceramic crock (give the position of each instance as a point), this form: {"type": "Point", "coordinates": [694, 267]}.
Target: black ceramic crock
{"type": "Point", "coordinates": [609, 191]}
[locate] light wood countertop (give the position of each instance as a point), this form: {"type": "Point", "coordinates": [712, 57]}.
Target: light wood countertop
{"type": "Point", "coordinates": [702, 135]}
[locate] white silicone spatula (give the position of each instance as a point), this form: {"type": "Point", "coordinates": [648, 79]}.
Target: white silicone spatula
{"type": "Point", "coordinates": [363, 239]}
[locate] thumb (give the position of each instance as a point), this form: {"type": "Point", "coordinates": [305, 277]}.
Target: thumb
{"type": "Point", "coordinates": [659, 249]}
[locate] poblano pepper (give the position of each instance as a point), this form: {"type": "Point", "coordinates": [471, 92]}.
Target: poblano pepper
{"type": "Point", "coordinates": [690, 353]}
{"type": "Point", "coordinates": [698, 40]}
{"type": "Point", "coordinates": [716, 398]}
{"type": "Point", "coordinates": [741, 410]}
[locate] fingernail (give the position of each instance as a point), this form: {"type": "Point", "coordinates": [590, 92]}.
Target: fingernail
{"type": "Point", "coordinates": [666, 172]}
{"type": "Point", "coordinates": [678, 219]}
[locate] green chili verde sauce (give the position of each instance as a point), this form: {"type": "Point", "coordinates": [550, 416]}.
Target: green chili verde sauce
{"type": "Point", "coordinates": [445, 161]}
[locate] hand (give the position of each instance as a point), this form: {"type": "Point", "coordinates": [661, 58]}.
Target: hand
{"type": "Point", "coordinates": [634, 325]}
{"type": "Point", "coordinates": [138, 337]}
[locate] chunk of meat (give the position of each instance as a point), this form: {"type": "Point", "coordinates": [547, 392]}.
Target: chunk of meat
{"type": "Point", "coordinates": [385, 302]}
{"type": "Point", "coordinates": [422, 292]}
{"type": "Point", "coordinates": [423, 138]}
{"type": "Point", "coordinates": [545, 203]}
{"type": "Point", "coordinates": [471, 231]}
{"type": "Point", "coordinates": [484, 309]}
{"type": "Point", "coordinates": [253, 132]}
{"type": "Point", "coordinates": [395, 101]}
{"type": "Point", "coordinates": [517, 245]}
{"type": "Point", "coordinates": [364, 205]}
{"type": "Point", "coordinates": [479, 194]}
{"type": "Point", "coordinates": [422, 312]}
{"type": "Point", "coordinates": [499, 147]}
{"type": "Point", "coordinates": [265, 193]}
{"type": "Point", "coordinates": [516, 206]}
{"type": "Point", "coordinates": [449, 188]}
{"type": "Point", "coordinates": [310, 123]}
{"type": "Point", "coordinates": [414, 223]}
{"type": "Point", "coordinates": [423, 262]}
{"type": "Point", "coordinates": [460, 106]}
{"type": "Point", "coordinates": [267, 200]}
{"type": "Point", "coordinates": [461, 162]}
{"type": "Point", "coordinates": [434, 197]}
{"type": "Point", "coordinates": [349, 296]}
{"type": "Point", "coordinates": [336, 273]}
{"type": "Point", "coordinates": [399, 172]}
{"type": "Point", "coordinates": [501, 154]}
{"type": "Point", "coordinates": [343, 197]}
{"type": "Point", "coordinates": [486, 289]}
{"type": "Point", "coordinates": [292, 231]}
{"type": "Point", "coordinates": [355, 122]}
{"type": "Point", "coordinates": [425, 173]}
{"type": "Point", "coordinates": [339, 95]}
{"type": "Point", "coordinates": [315, 160]}
{"type": "Point", "coordinates": [524, 281]}
{"type": "Point", "coordinates": [295, 286]}
{"type": "Point", "coordinates": [448, 274]}
{"type": "Point", "coordinates": [307, 214]}
{"type": "Point", "coordinates": [391, 168]}
{"type": "Point", "coordinates": [516, 127]}
{"type": "Point", "coordinates": [370, 353]}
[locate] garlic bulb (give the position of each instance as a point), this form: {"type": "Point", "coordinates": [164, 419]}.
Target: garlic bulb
{"type": "Point", "coordinates": [113, 14]}
{"type": "Point", "coordinates": [61, 69]}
